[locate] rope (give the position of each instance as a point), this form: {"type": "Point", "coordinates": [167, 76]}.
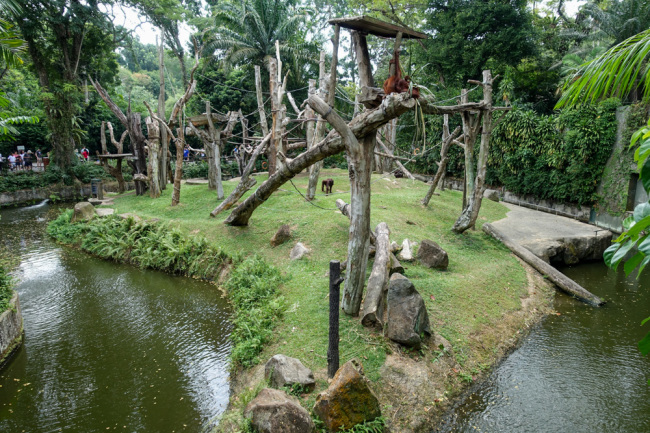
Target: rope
{"type": "Point", "coordinates": [308, 201]}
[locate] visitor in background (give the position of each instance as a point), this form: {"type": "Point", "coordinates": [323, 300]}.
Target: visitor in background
{"type": "Point", "coordinates": [27, 160]}
{"type": "Point", "coordinates": [2, 163]}
{"type": "Point", "coordinates": [186, 154]}
{"type": "Point", "coordinates": [39, 155]}
{"type": "Point", "coordinates": [12, 161]}
{"type": "Point", "coordinates": [19, 160]}
{"type": "Point", "coordinates": [85, 154]}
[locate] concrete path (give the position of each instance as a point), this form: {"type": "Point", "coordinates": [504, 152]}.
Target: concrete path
{"type": "Point", "coordinates": [554, 238]}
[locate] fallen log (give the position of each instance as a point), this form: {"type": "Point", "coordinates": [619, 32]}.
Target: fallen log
{"type": "Point", "coordinates": [374, 302]}
{"type": "Point", "coordinates": [395, 265]}
{"type": "Point", "coordinates": [563, 282]}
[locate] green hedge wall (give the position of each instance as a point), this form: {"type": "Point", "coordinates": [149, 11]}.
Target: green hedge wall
{"type": "Point", "coordinates": [559, 157]}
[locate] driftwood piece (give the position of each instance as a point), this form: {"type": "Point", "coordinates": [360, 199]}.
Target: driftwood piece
{"type": "Point", "coordinates": [395, 265]}
{"type": "Point", "coordinates": [447, 139]}
{"type": "Point", "coordinates": [396, 158]}
{"type": "Point", "coordinates": [374, 302]}
{"type": "Point", "coordinates": [565, 283]}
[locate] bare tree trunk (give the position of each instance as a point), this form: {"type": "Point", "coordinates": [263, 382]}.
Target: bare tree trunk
{"type": "Point", "coordinates": [260, 101]}
{"type": "Point", "coordinates": [214, 167]}
{"type": "Point", "coordinates": [447, 139]}
{"type": "Point", "coordinates": [245, 183]}
{"type": "Point", "coordinates": [178, 173]}
{"type": "Point", "coordinates": [469, 215]}
{"type": "Point", "coordinates": [314, 170]}
{"type": "Point", "coordinates": [153, 131]}
{"type": "Point", "coordinates": [164, 140]}
{"type": "Point", "coordinates": [273, 148]}
{"type": "Point", "coordinates": [375, 300]}
{"type": "Point", "coordinates": [116, 171]}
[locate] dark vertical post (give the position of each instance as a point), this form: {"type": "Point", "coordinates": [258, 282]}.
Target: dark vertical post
{"type": "Point", "coordinates": [335, 290]}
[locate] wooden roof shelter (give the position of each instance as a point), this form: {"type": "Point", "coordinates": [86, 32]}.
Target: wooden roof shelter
{"type": "Point", "coordinates": [376, 27]}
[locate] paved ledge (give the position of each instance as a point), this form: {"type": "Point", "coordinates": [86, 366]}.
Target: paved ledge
{"type": "Point", "coordinates": [553, 238]}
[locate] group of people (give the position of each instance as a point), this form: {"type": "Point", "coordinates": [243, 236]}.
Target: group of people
{"type": "Point", "coordinates": [20, 160]}
{"type": "Point", "coordinates": [83, 155]}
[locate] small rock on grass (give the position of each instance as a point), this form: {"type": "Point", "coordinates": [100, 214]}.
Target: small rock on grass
{"type": "Point", "coordinates": [299, 251]}
{"type": "Point", "coordinates": [281, 236]}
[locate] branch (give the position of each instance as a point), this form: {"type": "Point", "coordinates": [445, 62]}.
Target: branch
{"type": "Point", "coordinates": [109, 102]}
{"type": "Point", "coordinates": [188, 93]}
{"type": "Point", "coordinates": [153, 116]}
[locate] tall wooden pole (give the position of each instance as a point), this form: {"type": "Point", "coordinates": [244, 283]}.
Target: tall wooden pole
{"type": "Point", "coordinates": [335, 292]}
{"type": "Point", "coordinates": [164, 139]}
{"type": "Point", "coordinates": [314, 170]}
{"type": "Point", "coordinates": [260, 101]}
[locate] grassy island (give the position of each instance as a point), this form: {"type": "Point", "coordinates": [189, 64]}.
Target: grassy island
{"type": "Point", "coordinates": [480, 305]}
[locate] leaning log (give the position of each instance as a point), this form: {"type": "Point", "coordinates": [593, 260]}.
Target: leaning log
{"type": "Point", "coordinates": [565, 283]}
{"type": "Point", "coordinates": [246, 182]}
{"type": "Point", "coordinates": [374, 302]}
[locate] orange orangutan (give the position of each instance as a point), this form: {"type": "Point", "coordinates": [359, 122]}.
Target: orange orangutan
{"type": "Point", "coordinates": [395, 83]}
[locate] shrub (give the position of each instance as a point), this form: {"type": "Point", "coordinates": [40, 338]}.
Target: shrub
{"type": "Point", "coordinates": [6, 285]}
{"type": "Point", "coordinates": [193, 170]}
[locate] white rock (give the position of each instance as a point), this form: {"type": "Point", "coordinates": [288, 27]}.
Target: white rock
{"type": "Point", "coordinates": [299, 251]}
{"type": "Point", "coordinates": [406, 254]}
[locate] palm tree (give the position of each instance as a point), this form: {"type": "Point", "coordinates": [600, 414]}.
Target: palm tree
{"type": "Point", "coordinates": [617, 72]}
{"type": "Point", "coordinates": [247, 31]}
{"type": "Point", "coordinates": [11, 46]}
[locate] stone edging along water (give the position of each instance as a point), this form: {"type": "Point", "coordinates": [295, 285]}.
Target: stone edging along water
{"type": "Point", "coordinates": [61, 192]}
{"type": "Point", "coordinates": [11, 329]}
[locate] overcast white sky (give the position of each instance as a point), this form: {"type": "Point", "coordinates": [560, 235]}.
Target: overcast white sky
{"type": "Point", "coordinates": [147, 33]}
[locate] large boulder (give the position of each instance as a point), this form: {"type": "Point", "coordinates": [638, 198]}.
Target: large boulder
{"type": "Point", "coordinates": [299, 251]}
{"type": "Point", "coordinates": [281, 236]}
{"type": "Point", "coordinates": [83, 211]}
{"type": "Point", "coordinates": [283, 371]}
{"type": "Point", "coordinates": [407, 320]}
{"type": "Point", "coordinates": [348, 401]}
{"type": "Point", "coordinates": [273, 411]}
{"type": "Point", "coordinates": [431, 255]}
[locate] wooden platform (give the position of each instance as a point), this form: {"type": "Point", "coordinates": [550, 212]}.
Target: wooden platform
{"type": "Point", "coordinates": [376, 27]}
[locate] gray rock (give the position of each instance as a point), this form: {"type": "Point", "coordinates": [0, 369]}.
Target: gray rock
{"type": "Point", "coordinates": [299, 251]}
{"type": "Point", "coordinates": [281, 236]}
{"type": "Point", "coordinates": [273, 411]}
{"type": "Point", "coordinates": [83, 211]}
{"type": "Point", "coordinates": [431, 255]}
{"type": "Point", "coordinates": [407, 320]}
{"type": "Point", "coordinates": [407, 253]}
{"type": "Point", "coordinates": [104, 211]}
{"type": "Point", "coordinates": [491, 194]}
{"type": "Point", "coordinates": [283, 371]}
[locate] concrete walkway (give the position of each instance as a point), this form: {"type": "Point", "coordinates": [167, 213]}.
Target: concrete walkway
{"type": "Point", "coordinates": [553, 238]}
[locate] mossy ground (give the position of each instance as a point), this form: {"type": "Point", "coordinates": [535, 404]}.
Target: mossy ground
{"type": "Point", "coordinates": [483, 284]}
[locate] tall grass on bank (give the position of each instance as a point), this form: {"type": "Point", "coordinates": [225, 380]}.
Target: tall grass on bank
{"type": "Point", "coordinates": [6, 285]}
{"type": "Point", "coordinates": [252, 286]}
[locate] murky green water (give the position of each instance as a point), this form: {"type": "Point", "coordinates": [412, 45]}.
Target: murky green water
{"type": "Point", "coordinates": [109, 347]}
{"type": "Point", "coordinates": [580, 371]}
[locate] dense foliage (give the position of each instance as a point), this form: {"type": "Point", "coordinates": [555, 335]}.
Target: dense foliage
{"type": "Point", "coordinates": [559, 157]}
{"type": "Point", "coordinates": [27, 179]}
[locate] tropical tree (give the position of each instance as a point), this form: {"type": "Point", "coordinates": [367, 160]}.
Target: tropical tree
{"type": "Point", "coordinates": [246, 31]}
{"type": "Point", "coordinates": [617, 72]}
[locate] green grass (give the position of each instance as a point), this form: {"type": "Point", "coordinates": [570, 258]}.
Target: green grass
{"type": "Point", "coordinates": [482, 283]}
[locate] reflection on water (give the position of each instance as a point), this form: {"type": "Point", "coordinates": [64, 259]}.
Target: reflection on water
{"type": "Point", "coordinates": [580, 371]}
{"type": "Point", "coordinates": [109, 346]}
